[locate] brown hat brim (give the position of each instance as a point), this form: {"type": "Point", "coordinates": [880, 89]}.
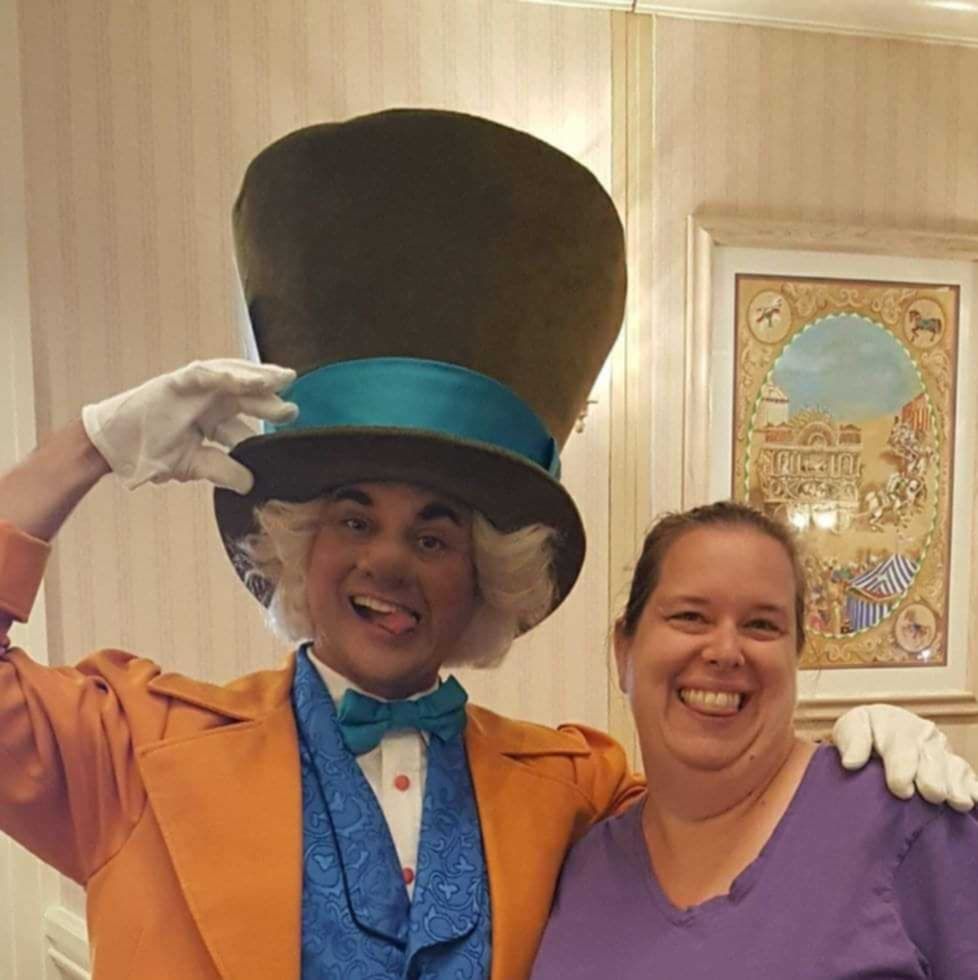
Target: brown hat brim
{"type": "Point", "coordinates": [305, 464]}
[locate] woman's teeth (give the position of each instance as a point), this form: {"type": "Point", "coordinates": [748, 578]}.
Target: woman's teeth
{"type": "Point", "coordinates": [711, 700]}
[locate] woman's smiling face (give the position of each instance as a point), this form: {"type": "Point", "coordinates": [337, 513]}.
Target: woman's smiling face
{"type": "Point", "coordinates": [710, 669]}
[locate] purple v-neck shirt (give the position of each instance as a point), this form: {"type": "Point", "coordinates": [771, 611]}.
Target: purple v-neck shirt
{"type": "Point", "coordinates": [852, 884]}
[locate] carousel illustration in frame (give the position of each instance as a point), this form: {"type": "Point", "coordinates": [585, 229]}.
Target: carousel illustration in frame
{"type": "Point", "coordinates": [844, 428]}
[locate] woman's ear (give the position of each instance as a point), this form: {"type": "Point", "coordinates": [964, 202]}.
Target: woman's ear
{"type": "Point", "coordinates": [622, 643]}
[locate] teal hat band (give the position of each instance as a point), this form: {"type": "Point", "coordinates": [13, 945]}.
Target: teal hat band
{"type": "Point", "coordinates": [411, 393]}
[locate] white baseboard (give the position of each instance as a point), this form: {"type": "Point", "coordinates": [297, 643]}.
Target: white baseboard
{"type": "Point", "coordinates": [66, 943]}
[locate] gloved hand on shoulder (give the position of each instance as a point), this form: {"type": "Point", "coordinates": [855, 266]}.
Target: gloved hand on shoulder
{"type": "Point", "coordinates": [914, 752]}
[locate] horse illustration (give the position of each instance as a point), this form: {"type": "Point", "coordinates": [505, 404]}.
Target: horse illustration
{"type": "Point", "coordinates": [766, 314]}
{"type": "Point", "coordinates": [895, 502]}
{"type": "Point", "coordinates": [924, 324]}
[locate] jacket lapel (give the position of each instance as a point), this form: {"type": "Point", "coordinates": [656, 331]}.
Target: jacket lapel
{"type": "Point", "coordinates": [228, 802]}
{"type": "Point", "coordinates": [529, 819]}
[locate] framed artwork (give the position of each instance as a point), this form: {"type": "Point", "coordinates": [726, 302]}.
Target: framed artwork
{"type": "Point", "coordinates": [831, 383]}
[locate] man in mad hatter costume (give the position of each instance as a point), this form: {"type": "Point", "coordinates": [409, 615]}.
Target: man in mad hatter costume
{"type": "Point", "coordinates": [442, 292]}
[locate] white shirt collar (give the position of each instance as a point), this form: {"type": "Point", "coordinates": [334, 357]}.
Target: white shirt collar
{"type": "Point", "coordinates": [338, 685]}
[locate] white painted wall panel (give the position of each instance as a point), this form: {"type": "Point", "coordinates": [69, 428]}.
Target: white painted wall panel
{"type": "Point", "coordinates": [26, 886]}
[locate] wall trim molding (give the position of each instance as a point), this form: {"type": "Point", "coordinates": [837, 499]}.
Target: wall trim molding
{"type": "Point", "coordinates": [626, 6]}
{"type": "Point", "coordinates": [26, 885]}
{"type": "Point", "coordinates": [955, 705]}
{"type": "Point", "coordinates": [66, 943]}
{"type": "Point", "coordinates": [946, 23]}
{"type": "Point", "coordinates": [17, 403]}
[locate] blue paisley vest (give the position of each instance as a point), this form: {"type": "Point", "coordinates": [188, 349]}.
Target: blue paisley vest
{"type": "Point", "coordinates": [357, 920]}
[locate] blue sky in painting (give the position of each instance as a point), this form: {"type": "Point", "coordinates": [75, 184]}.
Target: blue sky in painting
{"type": "Point", "coordinates": [849, 367]}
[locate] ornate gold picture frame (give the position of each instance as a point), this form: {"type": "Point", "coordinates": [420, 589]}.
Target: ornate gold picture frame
{"type": "Point", "coordinates": [831, 381]}
{"type": "Point", "coordinates": [844, 411]}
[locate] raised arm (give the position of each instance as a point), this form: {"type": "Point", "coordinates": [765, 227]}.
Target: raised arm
{"type": "Point", "coordinates": [39, 493]}
{"type": "Point", "coordinates": [163, 430]}
{"type": "Point", "coordinates": [70, 789]}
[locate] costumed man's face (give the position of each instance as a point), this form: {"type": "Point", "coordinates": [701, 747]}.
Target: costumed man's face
{"type": "Point", "coordinates": [391, 585]}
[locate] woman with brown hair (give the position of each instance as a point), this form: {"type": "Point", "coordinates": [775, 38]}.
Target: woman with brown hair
{"type": "Point", "coordinates": [754, 854]}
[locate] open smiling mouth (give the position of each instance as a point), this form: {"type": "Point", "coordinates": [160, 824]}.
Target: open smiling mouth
{"type": "Point", "coordinates": [396, 619]}
{"type": "Point", "coordinates": [712, 702]}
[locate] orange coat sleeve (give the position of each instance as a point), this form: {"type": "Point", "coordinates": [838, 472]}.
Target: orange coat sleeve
{"type": "Point", "coordinates": [70, 790]}
{"type": "Point", "coordinates": [22, 561]}
{"type": "Point", "coordinates": [604, 775]}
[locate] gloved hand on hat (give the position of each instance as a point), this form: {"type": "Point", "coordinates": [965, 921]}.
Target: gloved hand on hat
{"type": "Point", "coordinates": [914, 751]}
{"type": "Point", "coordinates": [178, 426]}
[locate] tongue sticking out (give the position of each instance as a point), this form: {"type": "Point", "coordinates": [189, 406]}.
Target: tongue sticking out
{"type": "Point", "coordinates": [396, 623]}
{"type": "Point", "coordinates": [391, 617]}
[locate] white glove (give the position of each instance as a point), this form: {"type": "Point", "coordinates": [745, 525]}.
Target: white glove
{"type": "Point", "coordinates": [913, 751]}
{"type": "Point", "coordinates": [158, 431]}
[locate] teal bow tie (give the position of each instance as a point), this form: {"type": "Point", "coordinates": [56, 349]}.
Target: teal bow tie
{"type": "Point", "coordinates": [364, 720]}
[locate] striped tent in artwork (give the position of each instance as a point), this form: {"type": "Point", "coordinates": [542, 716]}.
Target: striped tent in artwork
{"type": "Point", "coordinates": [871, 595]}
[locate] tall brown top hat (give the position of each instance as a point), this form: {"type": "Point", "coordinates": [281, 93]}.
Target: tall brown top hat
{"type": "Point", "coordinates": [447, 289]}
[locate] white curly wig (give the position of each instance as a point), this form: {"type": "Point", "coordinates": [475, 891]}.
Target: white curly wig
{"type": "Point", "coordinates": [514, 572]}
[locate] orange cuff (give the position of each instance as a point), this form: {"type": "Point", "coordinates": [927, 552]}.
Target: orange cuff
{"type": "Point", "coordinates": [22, 562]}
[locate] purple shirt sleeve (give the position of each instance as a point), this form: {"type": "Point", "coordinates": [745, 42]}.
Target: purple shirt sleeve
{"type": "Point", "coordinates": [936, 886]}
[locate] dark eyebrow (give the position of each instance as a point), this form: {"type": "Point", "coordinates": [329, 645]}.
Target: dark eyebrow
{"type": "Point", "coordinates": [352, 493]}
{"type": "Point", "coordinates": [436, 511]}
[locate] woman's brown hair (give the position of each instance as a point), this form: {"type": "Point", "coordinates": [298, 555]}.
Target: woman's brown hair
{"type": "Point", "coordinates": [724, 513]}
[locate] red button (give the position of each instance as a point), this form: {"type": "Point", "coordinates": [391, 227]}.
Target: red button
{"type": "Point", "coordinates": [408, 876]}
{"type": "Point", "coordinates": [401, 782]}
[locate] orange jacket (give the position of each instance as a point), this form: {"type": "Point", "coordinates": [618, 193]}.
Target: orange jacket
{"type": "Point", "coordinates": [177, 804]}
